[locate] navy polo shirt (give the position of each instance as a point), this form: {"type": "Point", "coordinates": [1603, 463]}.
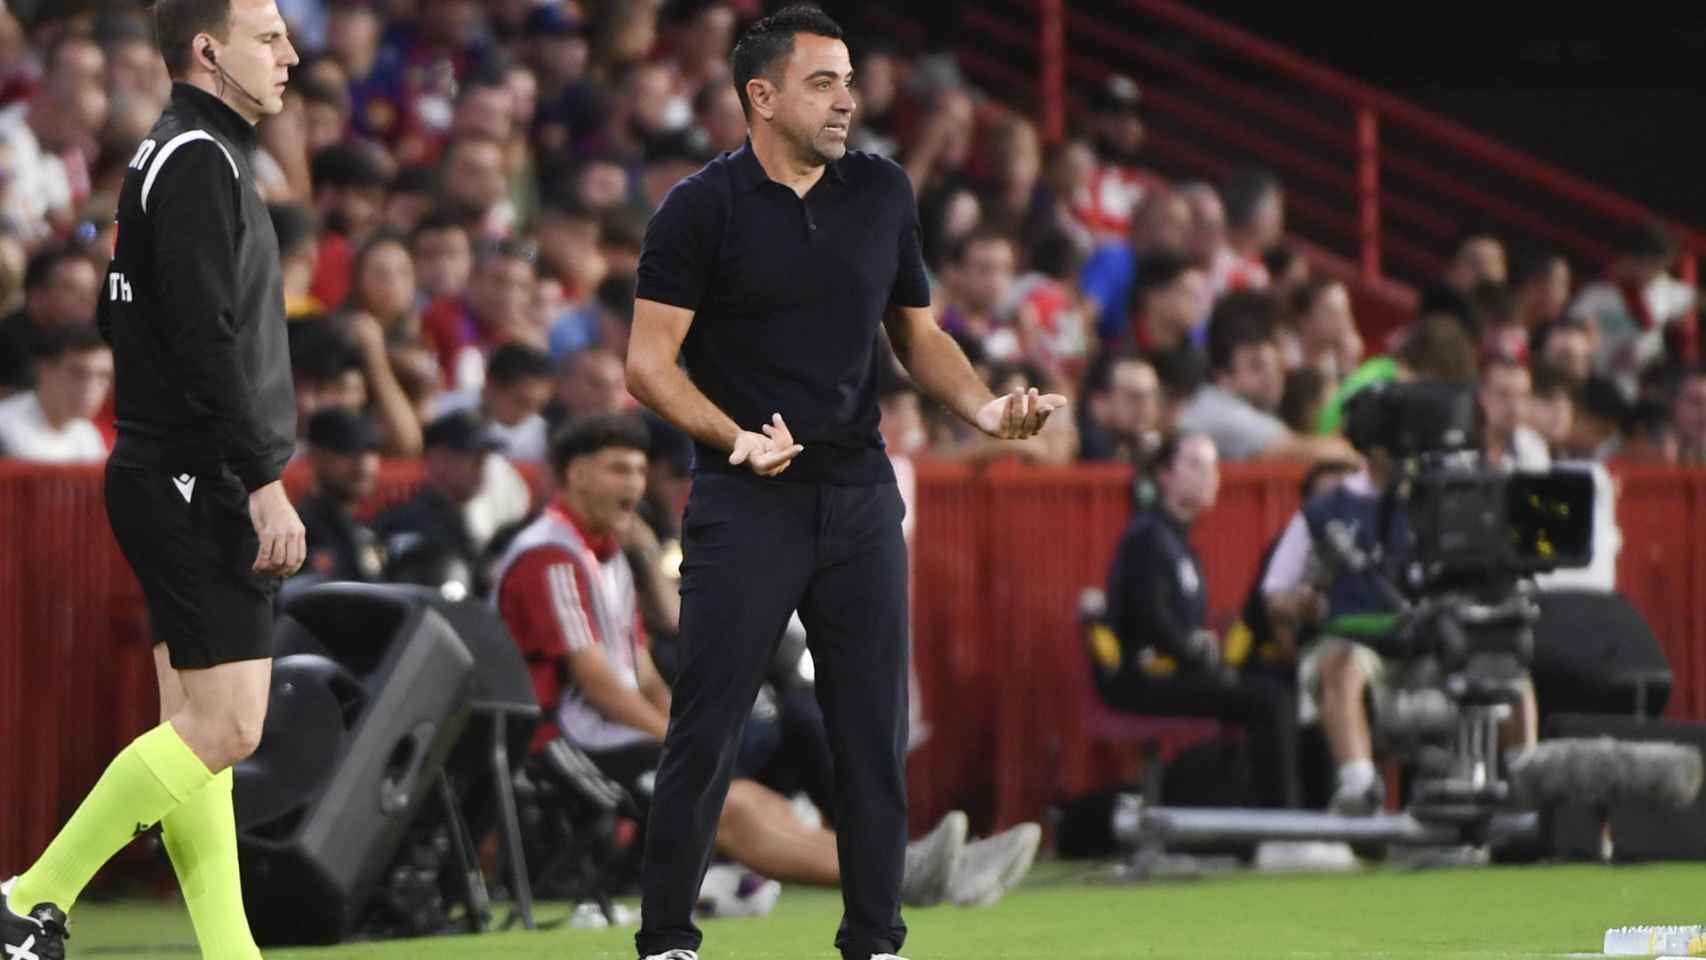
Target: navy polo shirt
{"type": "Point", "coordinates": [788, 295]}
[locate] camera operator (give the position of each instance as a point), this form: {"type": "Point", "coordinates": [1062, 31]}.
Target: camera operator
{"type": "Point", "coordinates": [1336, 671]}
{"type": "Point", "coordinates": [1167, 662]}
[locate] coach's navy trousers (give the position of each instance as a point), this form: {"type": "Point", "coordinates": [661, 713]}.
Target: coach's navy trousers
{"type": "Point", "coordinates": [755, 550]}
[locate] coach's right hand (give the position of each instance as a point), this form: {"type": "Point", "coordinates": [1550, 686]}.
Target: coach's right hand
{"type": "Point", "coordinates": [284, 543]}
{"type": "Point", "coordinates": [767, 453]}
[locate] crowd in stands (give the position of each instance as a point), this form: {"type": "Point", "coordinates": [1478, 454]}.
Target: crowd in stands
{"type": "Point", "coordinates": [461, 190]}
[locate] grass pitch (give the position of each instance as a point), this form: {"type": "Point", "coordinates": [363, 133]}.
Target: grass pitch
{"type": "Point", "coordinates": [1064, 912]}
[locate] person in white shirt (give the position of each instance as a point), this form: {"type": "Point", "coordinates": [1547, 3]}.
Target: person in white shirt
{"type": "Point", "coordinates": [1635, 305]}
{"type": "Point", "coordinates": [51, 424]}
{"type": "Point", "coordinates": [1503, 395]}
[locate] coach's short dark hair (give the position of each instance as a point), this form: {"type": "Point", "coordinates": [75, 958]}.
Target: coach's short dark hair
{"type": "Point", "coordinates": [770, 42]}
{"type": "Point", "coordinates": [176, 22]}
{"type": "Point", "coordinates": [585, 436]}
{"type": "Point", "coordinates": [1241, 319]}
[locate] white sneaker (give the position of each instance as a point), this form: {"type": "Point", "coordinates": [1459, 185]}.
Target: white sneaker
{"type": "Point", "coordinates": [933, 862]}
{"type": "Point", "coordinates": [730, 890]}
{"type": "Point", "coordinates": [992, 866]}
{"type": "Point", "coordinates": [675, 955]}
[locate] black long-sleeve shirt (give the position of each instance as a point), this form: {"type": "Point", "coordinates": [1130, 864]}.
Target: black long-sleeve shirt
{"type": "Point", "coordinates": [193, 303]}
{"type": "Point", "coordinates": [1156, 593]}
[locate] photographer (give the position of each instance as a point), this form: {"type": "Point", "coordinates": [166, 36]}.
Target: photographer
{"type": "Point", "coordinates": [1167, 662]}
{"type": "Point", "coordinates": [1310, 581]}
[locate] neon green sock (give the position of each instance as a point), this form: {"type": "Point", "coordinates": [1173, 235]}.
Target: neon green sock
{"type": "Point", "coordinates": [201, 838]}
{"type": "Point", "coordinates": [156, 773]}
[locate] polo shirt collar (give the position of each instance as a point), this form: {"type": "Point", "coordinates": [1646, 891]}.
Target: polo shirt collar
{"type": "Point", "coordinates": [749, 174]}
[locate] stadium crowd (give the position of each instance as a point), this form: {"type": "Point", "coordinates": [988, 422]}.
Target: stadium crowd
{"type": "Point", "coordinates": [461, 190]}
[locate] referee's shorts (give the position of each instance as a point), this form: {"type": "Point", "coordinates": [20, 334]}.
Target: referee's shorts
{"type": "Point", "coordinates": [192, 545]}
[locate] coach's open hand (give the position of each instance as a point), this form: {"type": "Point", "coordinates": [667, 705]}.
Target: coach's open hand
{"type": "Point", "coordinates": [284, 544]}
{"type": "Point", "coordinates": [1019, 414]}
{"type": "Point", "coordinates": [767, 453]}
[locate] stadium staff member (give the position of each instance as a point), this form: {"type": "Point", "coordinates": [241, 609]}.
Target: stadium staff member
{"type": "Point", "coordinates": [769, 271]}
{"type": "Point", "coordinates": [1166, 661]}
{"type": "Point", "coordinates": [193, 304]}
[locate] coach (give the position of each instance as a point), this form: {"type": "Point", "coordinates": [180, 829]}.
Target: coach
{"type": "Point", "coordinates": [769, 272]}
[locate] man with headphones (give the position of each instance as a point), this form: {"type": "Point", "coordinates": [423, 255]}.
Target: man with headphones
{"type": "Point", "coordinates": [193, 305]}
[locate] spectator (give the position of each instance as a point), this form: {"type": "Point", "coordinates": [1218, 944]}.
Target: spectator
{"type": "Point", "coordinates": [1568, 346]}
{"type": "Point", "coordinates": [1688, 418]}
{"type": "Point", "coordinates": [1542, 290]}
{"type": "Point", "coordinates": [457, 447]}
{"type": "Point", "coordinates": [52, 423]}
{"type": "Point", "coordinates": [599, 181]}
{"type": "Point", "coordinates": [1169, 298]}
{"type": "Point", "coordinates": [1166, 660]}
{"type": "Point", "coordinates": [1288, 272]}
{"type": "Point", "coordinates": [936, 158]}
{"type": "Point", "coordinates": [589, 382]}
{"type": "Point", "coordinates": [699, 35]}
{"type": "Point", "coordinates": [718, 118]}
{"type": "Point", "coordinates": [298, 251]}
{"type": "Point", "coordinates": [1598, 421]}
{"type": "Point", "coordinates": [326, 368]}
{"type": "Point", "coordinates": [498, 308]}
{"type": "Point", "coordinates": [979, 276]}
{"type": "Point", "coordinates": [1478, 258]}
{"type": "Point", "coordinates": [1119, 182]}
{"type": "Point", "coordinates": [1162, 225]}
{"type": "Point", "coordinates": [1121, 418]}
{"type": "Point", "coordinates": [343, 453]}
{"type": "Point", "coordinates": [413, 195]}
{"type": "Point", "coordinates": [1043, 308]}
{"type": "Point", "coordinates": [1503, 397]}
{"type": "Point", "coordinates": [1322, 333]}
{"type": "Point", "coordinates": [1255, 221]}
{"type": "Point", "coordinates": [1550, 409]}
{"type": "Point", "coordinates": [1206, 242]}
{"type": "Point", "coordinates": [443, 258]}
{"type": "Point", "coordinates": [946, 216]}
{"type": "Point", "coordinates": [559, 54]}
{"type": "Point", "coordinates": [476, 187]}
{"type": "Point", "coordinates": [47, 138]}
{"type": "Point", "coordinates": [517, 388]}
{"type": "Point", "coordinates": [61, 288]}
{"type": "Point", "coordinates": [1015, 200]}
{"type": "Point", "coordinates": [873, 128]}
{"type": "Point", "coordinates": [384, 288]}
{"type": "Point", "coordinates": [349, 195]}
{"type": "Point", "coordinates": [1638, 307]}
{"type": "Point", "coordinates": [326, 110]}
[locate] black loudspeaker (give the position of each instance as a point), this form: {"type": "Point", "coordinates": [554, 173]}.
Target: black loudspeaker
{"type": "Point", "coordinates": [1593, 653]}
{"type": "Point", "coordinates": [1639, 831]}
{"type": "Point", "coordinates": [371, 691]}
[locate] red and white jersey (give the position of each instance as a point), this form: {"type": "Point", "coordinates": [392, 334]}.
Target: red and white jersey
{"type": "Point", "coordinates": [1105, 204]}
{"type": "Point", "coordinates": [561, 592]}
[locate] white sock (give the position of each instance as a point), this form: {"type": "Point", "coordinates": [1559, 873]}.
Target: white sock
{"type": "Point", "coordinates": [1356, 776]}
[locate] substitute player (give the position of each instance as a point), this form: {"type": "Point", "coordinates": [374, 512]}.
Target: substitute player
{"type": "Point", "coordinates": [193, 304]}
{"type": "Point", "coordinates": [769, 272]}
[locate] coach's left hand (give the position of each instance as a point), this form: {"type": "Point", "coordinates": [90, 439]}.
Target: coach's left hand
{"type": "Point", "coordinates": [1019, 414]}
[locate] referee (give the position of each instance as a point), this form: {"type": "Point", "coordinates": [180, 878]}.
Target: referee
{"type": "Point", "coordinates": [193, 304]}
{"type": "Point", "coordinates": [770, 271]}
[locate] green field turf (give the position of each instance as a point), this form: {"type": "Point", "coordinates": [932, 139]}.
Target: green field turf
{"type": "Point", "coordinates": [1060, 913]}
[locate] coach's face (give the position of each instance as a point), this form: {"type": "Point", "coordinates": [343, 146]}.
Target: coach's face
{"type": "Point", "coordinates": [813, 107]}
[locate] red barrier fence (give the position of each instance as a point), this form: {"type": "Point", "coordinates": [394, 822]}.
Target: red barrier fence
{"type": "Point", "coordinates": [999, 559]}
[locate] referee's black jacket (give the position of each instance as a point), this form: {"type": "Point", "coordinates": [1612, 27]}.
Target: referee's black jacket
{"type": "Point", "coordinates": [193, 303]}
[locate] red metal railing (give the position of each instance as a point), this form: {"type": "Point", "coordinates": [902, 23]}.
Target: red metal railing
{"type": "Point", "coordinates": [1376, 186]}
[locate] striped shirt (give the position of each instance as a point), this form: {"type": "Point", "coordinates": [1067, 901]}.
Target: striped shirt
{"type": "Point", "coordinates": [561, 592]}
